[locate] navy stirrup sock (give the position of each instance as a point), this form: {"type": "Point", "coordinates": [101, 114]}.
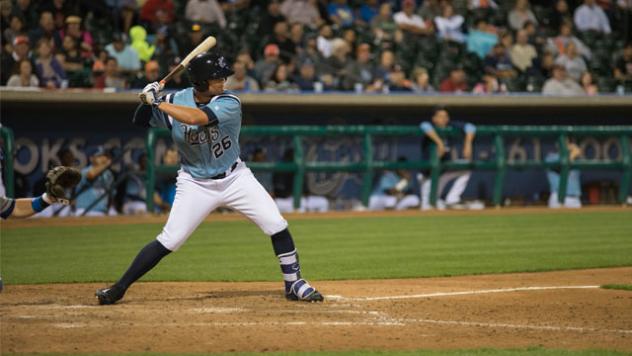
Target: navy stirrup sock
{"type": "Point", "coordinates": [288, 258]}
{"type": "Point", "coordinates": [146, 259]}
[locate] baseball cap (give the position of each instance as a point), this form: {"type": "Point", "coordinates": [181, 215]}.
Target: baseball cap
{"type": "Point", "coordinates": [20, 40]}
{"type": "Point", "coordinates": [73, 19]}
{"type": "Point", "coordinates": [271, 50]}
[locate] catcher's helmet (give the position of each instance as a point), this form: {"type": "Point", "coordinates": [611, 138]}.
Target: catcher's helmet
{"type": "Point", "coordinates": [208, 66]}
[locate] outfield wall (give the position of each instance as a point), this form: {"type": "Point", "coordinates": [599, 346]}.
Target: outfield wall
{"type": "Point", "coordinates": [44, 122]}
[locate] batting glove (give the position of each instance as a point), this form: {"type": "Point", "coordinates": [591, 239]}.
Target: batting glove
{"type": "Point", "coordinates": [151, 94]}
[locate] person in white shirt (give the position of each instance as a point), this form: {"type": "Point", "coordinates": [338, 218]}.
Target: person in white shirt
{"type": "Point", "coordinates": [449, 25]}
{"type": "Point", "coordinates": [522, 53]}
{"type": "Point", "coordinates": [410, 22]}
{"type": "Point", "coordinates": [590, 17]}
{"type": "Point", "coordinates": [205, 11]}
{"type": "Point", "coordinates": [572, 61]}
{"type": "Point", "coordinates": [557, 45]}
{"type": "Point", "coordinates": [521, 14]}
{"type": "Point", "coordinates": [561, 85]}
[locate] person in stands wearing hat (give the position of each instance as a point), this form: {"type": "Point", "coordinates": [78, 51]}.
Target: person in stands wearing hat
{"type": "Point", "coordinates": [195, 37]}
{"type": "Point", "coordinates": [125, 55]}
{"type": "Point", "coordinates": [82, 38]}
{"type": "Point", "coordinates": [10, 60]}
{"type": "Point", "coordinates": [265, 67]}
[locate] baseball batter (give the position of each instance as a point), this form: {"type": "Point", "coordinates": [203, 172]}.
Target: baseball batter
{"type": "Point", "coordinates": [205, 122]}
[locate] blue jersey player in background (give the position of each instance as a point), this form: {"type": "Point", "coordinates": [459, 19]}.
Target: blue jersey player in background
{"type": "Point", "coordinates": [205, 121]}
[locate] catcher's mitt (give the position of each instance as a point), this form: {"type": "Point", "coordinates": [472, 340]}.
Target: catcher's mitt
{"type": "Point", "coordinates": [59, 179]}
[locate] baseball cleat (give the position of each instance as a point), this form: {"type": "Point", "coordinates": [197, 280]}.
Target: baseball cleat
{"type": "Point", "coordinates": [302, 291]}
{"type": "Point", "coordinates": [110, 295]}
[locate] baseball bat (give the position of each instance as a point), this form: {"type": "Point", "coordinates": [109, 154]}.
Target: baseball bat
{"type": "Point", "coordinates": [207, 44]}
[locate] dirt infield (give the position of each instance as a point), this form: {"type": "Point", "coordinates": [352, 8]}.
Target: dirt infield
{"type": "Point", "coordinates": [564, 310]}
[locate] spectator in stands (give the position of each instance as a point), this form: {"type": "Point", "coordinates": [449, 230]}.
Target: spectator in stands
{"type": "Point", "coordinates": [281, 81]}
{"type": "Point", "coordinates": [383, 25]}
{"type": "Point", "coordinates": [207, 12]}
{"type": "Point", "coordinates": [244, 57]}
{"type": "Point", "coordinates": [283, 189]}
{"type": "Point", "coordinates": [482, 4]}
{"type": "Point", "coordinates": [368, 10]}
{"type": "Point", "coordinates": [151, 7]}
{"type": "Point", "coordinates": [561, 14]}
{"type": "Point", "coordinates": [297, 34]}
{"type": "Point", "coordinates": [590, 17]}
{"type": "Point", "coordinates": [340, 13]}
{"type": "Point", "coordinates": [46, 28]}
{"type": "Point", "coordinates": [96, 181]}
{"type": "Point", "coordinates": [265, 67]}
{"type": "Point", "coordinates": [180, 80]}
{"type": "Point", "coordinates": [152, 74]}
{"type": "Point", "coordinates": [394, 191]}
{"type": "Point", "coordinates": [444, 149]}
{"type": "Point", "coordinates": [421, 81]}
{"type": "Point", "coordinates": [520, 14]}
{"type": "Point", "coordinates": [304, 12]}
{"type": "Point", "coordinates": [70, 57]}
{"type": "Point", "coordinates": [166, 47]}
{"type": "Point", "coordinates": [560, 84]}
{"type": "Point", "coordinates": [123, 12]}
{"type": "Point", "coordinates": [623, 66]}
{"type": "Point", "coordinates": [351, 37]}
{"type": "Point", "coordinates": [24, 77]}
{"type": "Point", "coordinates": [537, 34]}
{"type": "Point", "coordinates": [240, 81]}
{"type": "Point", "coordinates": [482, 38]}
{"type": "Point", "coordinates": [193, 39]}
{"type": "Point", "coordinates": [397, 81]}
{"type": "Point", "coordinates": [324, 40]}
{"type": "Point", "coordinates": [139, 43]}
{"type": "Point", "coordinates": [82, 37]}
{"type": "Point", "coordinates": [6, 11]}
{"type": "Point", "coordinates": [360, 71]}
{"type": "Point", "coordinates": [113, 78]}
{"type": "Point", "coordinates": [573, 185]}
{"type": "Point", "coordinates": [49, 71]}
{"type": "Point", "coordinates": [456, 82]}
{"type": "Point", "coordinates": [431, 9]}
{"type": "Point", "coordinates": [587, 83]}
{"type": "Point", "coordinates": [522, 53]}
{"type": "Point", "coordinates": [409, 22]}
{"type": "Point", "coordinates": [16, 28]}
{"type": "Point", "coordinates": [387, 62]}
{"type": "Point", "coordinates": [557, 45]}
{"type": "Point", "coordinates": [125, 55]}
{"type": "Point", "coordinates": [20, 51]}
{"type": "Point", "coordinates": [489, 85]}
{"type": "Point", "coordinates": [307, 76]}
{"type": "Point", "coordinates": [26, 9]}
{"type": "Point", "coordinates": [572, 61]}
{"type": "Point", "coordinates": [280, 38]}
{"type": "Point", "coordinates": [498, 63]}
{"type": "Point", "coordinates": [270, 18]}
{"type": "Point", "coordinates": [339, 63]}
{"type": "Point", "coordinates": [450, 25]}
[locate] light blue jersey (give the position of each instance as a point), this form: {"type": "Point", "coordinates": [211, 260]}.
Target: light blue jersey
{"type": "Point", "coordinates": [99, 187]}
{"type": "Point", "coordinates": [387, 182]}
{"type": "Point", "coordinates": [573, 185]}
{"type": "Point", "coordinates": [205, 151]}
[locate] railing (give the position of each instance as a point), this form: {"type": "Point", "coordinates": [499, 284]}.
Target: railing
{"type": "Point", "coordinates": [8, 148]}
{"type": "Point", "coordinates": [368, 165]}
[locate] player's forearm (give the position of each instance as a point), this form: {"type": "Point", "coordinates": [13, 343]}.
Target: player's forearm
{"type": "Point", "coordinates": [23, 208]}
{"type": "Point", "coordinates": [434, 137]}
{"type": "Point", "coordinates": [469, 138]}
{"type": "Point", "coordinates": [184, 114]}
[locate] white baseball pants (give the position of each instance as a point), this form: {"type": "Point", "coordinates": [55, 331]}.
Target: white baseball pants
{"type": "Point", "coordinates": [196, 198]}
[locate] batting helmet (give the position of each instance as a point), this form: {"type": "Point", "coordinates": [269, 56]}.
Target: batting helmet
{"type": "Point", "coordinates": [208, 66]}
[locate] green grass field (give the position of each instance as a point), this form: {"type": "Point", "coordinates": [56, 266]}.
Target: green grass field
{"type": "Point", "coordinates": [352, 248]}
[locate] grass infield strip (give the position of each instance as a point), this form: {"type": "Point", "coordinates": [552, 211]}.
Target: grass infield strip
{"type": "Point", "coordinates": [627, 287]}
{"type": "Point", "coordinates": [330, 248]}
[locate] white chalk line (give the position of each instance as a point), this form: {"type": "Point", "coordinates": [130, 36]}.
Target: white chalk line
{"type": "Point", "coordinates": [451, 294]}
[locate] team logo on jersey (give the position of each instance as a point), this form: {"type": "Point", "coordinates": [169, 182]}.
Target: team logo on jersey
{"type": "Point", "coordinates": [194, 135]}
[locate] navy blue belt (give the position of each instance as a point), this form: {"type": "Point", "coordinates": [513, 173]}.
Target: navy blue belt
{"type": "Point", "coordinates": [223, 175]}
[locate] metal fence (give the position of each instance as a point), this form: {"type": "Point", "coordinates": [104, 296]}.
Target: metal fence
{"type": "Point", "coordinates": [367, 166]}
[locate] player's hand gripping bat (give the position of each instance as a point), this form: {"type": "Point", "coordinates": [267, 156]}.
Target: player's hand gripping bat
{"type": "Point", "coordinates": [207, 44]}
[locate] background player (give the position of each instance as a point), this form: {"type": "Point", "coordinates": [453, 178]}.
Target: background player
{"type": "Point", "coordinates": [394, 191]}
{"type": "Point", "coordinates": [441, 119]}
{"type": "Point", "coordinates": [205, 123]}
